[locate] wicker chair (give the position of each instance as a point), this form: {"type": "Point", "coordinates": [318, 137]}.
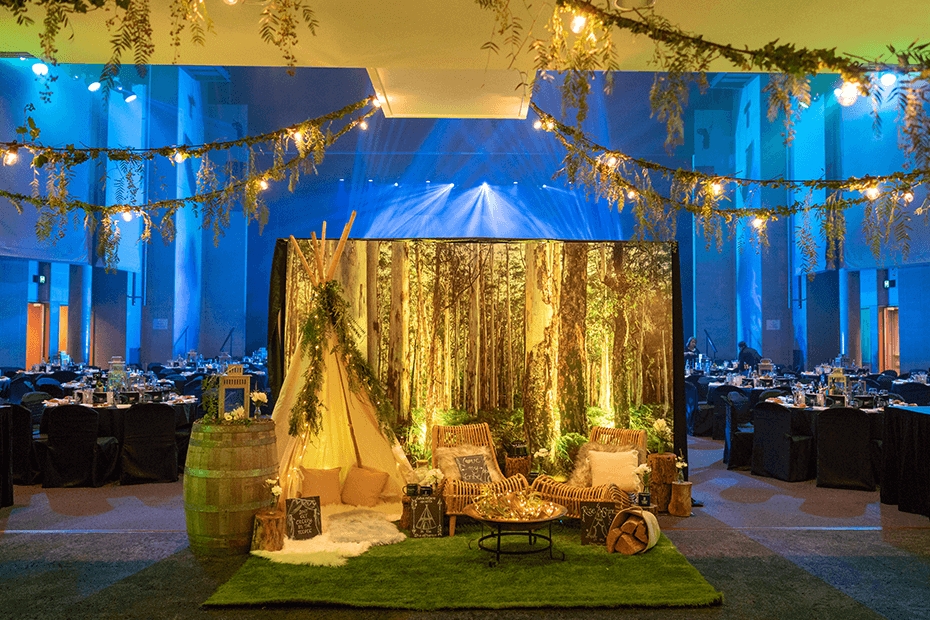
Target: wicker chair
{"type": "Point", "coordinates": [572, 496]}
{"type": "Point", "coordinates": [456, 493]}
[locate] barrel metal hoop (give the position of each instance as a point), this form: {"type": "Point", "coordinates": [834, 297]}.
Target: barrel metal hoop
{"type": "Point", "coordinates": [231, 508]}
{"type": "Point", "coordinates": [238, 473]}
{"type": "Point", "coordinates": [211, 443]}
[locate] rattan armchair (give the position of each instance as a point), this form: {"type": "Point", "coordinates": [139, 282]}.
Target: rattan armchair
{"type": "Point", "coordinates": [455, 493]}
{"type": "Point", "coordinates": [572, 496]}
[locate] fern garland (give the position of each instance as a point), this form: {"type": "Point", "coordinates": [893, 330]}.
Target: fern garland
{"type": "Point", "coordinates": [330, 315]}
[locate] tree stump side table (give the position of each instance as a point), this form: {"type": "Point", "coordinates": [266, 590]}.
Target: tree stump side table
{"type": "Point", "coordinates": [664, 473]}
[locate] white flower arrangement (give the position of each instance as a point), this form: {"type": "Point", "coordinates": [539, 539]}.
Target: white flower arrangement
{"type": "Point", "coordinates": [275, 488]}
{"type": "Point", "coordinates": [259, 398]}
{"type": "Point", "coordinates": [431, 477]}
{"type": "Point", "coordinates": [682, 466]}
{"type": "Point", "coordinates": [236, 414]}
{"type": "Point", "coordinates": [542, 454]}
{"type": "Point", "coordinates": [663, 434]}
{"type": "Point", "coordinates": [642, 472]}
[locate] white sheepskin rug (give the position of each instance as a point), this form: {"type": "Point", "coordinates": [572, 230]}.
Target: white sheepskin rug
{"type": "Point", "coordinates": [345, 535]}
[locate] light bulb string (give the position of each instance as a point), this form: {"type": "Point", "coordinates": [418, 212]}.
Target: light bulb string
{"type": "Point", "coordinates": [580, 143]}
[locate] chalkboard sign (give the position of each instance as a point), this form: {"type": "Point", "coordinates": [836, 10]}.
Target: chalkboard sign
{"type": "Point", "coordinates": [596, 518]}
{"type": "Point", "coordinates": [473, 469]}
{"type": "Point", "coordinates": [426, 516]}
{"type": "Point", "coordinates": [303, 518]}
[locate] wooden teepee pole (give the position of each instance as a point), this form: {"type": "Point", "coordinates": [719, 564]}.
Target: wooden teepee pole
{"type": "Point", "coordinates": [342, 244]}
{"type": "Point", "coordinates": [303, 260]}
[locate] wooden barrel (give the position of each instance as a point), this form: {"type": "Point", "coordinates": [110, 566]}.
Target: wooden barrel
{"type": "Point", "coordinates": [224, 484]}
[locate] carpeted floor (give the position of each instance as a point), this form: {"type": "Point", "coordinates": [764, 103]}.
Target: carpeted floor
{"type": "Point", "coordinates": [774, 549]}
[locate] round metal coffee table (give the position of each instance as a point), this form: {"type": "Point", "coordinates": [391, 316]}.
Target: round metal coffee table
{"type": "Point", "coordinates": [509, 527]}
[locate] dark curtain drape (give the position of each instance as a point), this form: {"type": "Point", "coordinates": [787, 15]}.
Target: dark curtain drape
{"type": "Point", "coordinates": [6, 457]}
{"type": "Point", "coordinates": [277, 365]}
{"type": "Point", "coordinates": [678, 361]}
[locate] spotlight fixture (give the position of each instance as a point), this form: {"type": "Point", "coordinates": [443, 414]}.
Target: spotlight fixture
{"type": "Point", "coordinates": [127, 216]}
{"type": "Point", "coordinates": [93, 86]}
{"type": "Point", "coordinates": [40, 69]}
{"type": "Point", "coordinates": [888, 79]}
{"type": "Point", "coordinates": [395, 185]}
{"type": "Point", "coordinates": [129, 96]}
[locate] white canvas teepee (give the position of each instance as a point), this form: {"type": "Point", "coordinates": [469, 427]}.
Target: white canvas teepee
{"type": "Point", "coordinates": [350, 433]}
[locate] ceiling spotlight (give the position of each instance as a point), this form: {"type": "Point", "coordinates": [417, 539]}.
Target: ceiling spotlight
{"type": "Point", "coordinates": [93, 86]}
{"type": "Point", "coordinates": [888, 79]}
{"type": "Point", "coordinates": [127, 216]}
{"type": "Point", "coordinates": [129, 96]}
{"type": "Point", "coordinates": [40, 69]}
{"type": "Point", "coordinates": [395, 185]}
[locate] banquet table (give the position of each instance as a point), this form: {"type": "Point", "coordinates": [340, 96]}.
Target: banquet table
{"type": "Point", "coordinates": [111, 418]}
{"type": "Point", "coordinates": [906, 459]}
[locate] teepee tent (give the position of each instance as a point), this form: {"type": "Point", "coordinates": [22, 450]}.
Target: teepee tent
{"type": "Point", "coordinates": [345, 428]}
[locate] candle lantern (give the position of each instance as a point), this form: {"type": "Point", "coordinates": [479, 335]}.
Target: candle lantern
{"type": "Point", "coordinates": [837, 381]}
{"type": "Point", "coordinates": [234, 390]}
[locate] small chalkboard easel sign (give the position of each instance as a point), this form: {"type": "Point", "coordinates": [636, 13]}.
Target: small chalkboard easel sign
{"type": "Point", "coordinates": [303, 518]}
{"type": "Point", "coordinates": [426, 516]}
{"type": "Point", "coordinates": [596, 518]}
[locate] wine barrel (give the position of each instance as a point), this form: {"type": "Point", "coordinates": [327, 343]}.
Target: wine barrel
{"type": "Point", "coordinates": [224, 484]}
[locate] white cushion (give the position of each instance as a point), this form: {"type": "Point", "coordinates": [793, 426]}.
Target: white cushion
{"type": "Point", "coordinates": [616, 468]}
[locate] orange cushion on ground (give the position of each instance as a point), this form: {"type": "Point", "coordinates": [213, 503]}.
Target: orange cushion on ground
{"type": "Point", "coordinates": [363, 486]}
{"type": "Point", "coordinates": [322, 482]}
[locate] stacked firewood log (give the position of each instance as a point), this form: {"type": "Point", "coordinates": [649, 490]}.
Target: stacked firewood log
{"type": "Point", "coordinates": [630, 538]}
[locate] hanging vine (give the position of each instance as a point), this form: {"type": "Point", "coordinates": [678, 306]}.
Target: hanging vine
{"type": "Point", "coordinates": [218, 191]}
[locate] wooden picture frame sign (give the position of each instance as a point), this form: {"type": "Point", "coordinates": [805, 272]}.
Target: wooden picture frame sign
{"type": "Point", "coordinates": [596, 518]}
{"type": "Point", "coordinates": [303, 517]}
{"type": "Point", "coordinates": [426, 516]}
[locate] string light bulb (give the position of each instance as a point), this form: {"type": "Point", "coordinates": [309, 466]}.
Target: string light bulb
{"type": "Point", "coordinates": [263, 184]}
{"type": "Point", "coordinates": [716, 188]}
{"type": "Point", "coordinates": [537, 124]}
{"type": "Point", "coordinates": [847, 94]}
{"type": "Point", "coordinates": [908, 196]}
{"type": "Point", "coordinates": [178, 157]}
{"type": "Point", "coordinates": [631, 194]}
{"type": "Point", "coordinates": [612, 161]}
{"type": "Point", "coordinates": [872, 193]}
{"type": "Point", "coordinates": [888, 79]}
{"type": "Point", "coordinates": [127, 216]}
{"type": "Point", "coordinates": [550, 125]}
{"type": "Point", "coordinates": [40, 69]}
{"type": "Point", "coordinates": [298, 136]}
{"type": "Point", "coordinates": [10, 158]}
{"type": "Point", "coordinates": [578, 23]}
{"type": "Point", "coordinates": [363, 124]}
{"type": "Point", "coordinates": [377, 102]}
{"type": "Point", "coordinates": [757, 222]}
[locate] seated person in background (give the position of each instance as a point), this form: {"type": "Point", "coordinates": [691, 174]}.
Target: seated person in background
{"type": "Point", "coordinates": [748, 357]}
{"type": "Point", "coordinates": [691, 350]}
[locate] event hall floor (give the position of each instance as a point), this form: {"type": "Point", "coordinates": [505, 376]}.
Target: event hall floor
{"type": "Point", "coordinates": [775, 550]}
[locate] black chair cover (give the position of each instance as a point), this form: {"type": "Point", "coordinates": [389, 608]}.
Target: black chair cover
{"type": "Point", "coordinates": [50, 386]}
{"type": "Point", "coordinates": [75, 456]}
{"type": "Point", "coordinates": [720, 410]}
{"type": "Point", "coordinates": [6, 458]}
{"type": "Point", "coordinates": [64, 376]}
{"type": "Point", "coordinates": [35, 403]}
{"type": "Point", "coordinates": [149, 452]}
{"type": "Point", "coordinates": [737, 451]}
{"type": "Point", "coordinates": [26, 468]}
{"type": "Point", "coordinates": [179, 381]}
{"type": "Point", "coordinates": [19, 387]}
{"type": "Point", "coordinates": [779, 449]}
{"type": "Point", "coordinates": [691, 405]}
{"type": "Point", "coordinates": [916, 393]}
{"type": "Point", "coordinates": [844, 459]}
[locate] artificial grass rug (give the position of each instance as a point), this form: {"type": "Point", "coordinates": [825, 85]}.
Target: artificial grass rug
{"type": "Point", "coordinates": [443, 573]}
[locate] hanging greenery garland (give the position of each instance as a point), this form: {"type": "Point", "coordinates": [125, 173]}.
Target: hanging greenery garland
{"type": "Point", "coordinates": [329, 314]}
{"type": "Point", "coordinates": [218, 189]}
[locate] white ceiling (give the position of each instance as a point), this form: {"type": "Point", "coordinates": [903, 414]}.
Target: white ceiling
{"type": "Point", "coordinates": [425, 56]}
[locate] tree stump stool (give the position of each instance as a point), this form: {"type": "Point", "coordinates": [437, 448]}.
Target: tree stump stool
{"type": "Point", "coordinates": [268, 531]}
{"type": "Point", "coordinates": [664, 473]}
{"type": "Point", "coordinates": [406, 517]}
{"type": "Point", "coordinates": [680, 503]}
{"type": "Point", "coordinates": [517, 465]}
